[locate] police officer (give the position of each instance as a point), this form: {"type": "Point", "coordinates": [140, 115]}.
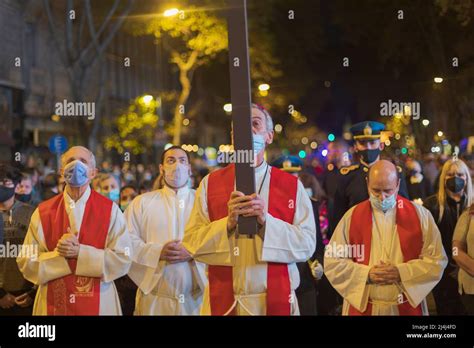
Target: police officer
{"type": "Point", "coordinates": [352, 188]}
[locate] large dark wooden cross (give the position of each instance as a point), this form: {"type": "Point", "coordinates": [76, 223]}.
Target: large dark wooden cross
{"type": "Point", "coordinates": [241, 105]}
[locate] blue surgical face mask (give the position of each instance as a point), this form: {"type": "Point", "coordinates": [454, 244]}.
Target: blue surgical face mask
{"type": "Point", "coordinates": [258, 143]}
{"type": "Point", "coordinates": [385, 204]}
{"type": "Point", "coordinates": [75, 174]}
{"type": "Point", "coordinates": [113, 195]}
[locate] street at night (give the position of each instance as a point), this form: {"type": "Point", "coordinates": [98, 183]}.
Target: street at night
{"type": "Point", "coordinates": [179, 159]}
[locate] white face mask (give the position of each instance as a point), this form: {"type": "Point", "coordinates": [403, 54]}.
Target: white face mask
{"type": "Point", "coordinates": [176, 175]}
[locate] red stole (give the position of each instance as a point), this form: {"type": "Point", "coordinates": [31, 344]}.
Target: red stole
{"type": "Point", "coordinates": [281, 203]}
{"type": "Point", "coordinates": [409, 234]}
{"type": "Point", "coordinates": [71, 294]}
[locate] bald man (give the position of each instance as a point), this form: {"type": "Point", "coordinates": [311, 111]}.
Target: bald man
{"type": "Point", "coordinates": [385, 255]}
{"type": "Point", "coordinates": [82, 245]}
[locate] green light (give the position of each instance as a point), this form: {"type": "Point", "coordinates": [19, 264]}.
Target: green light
{"type": "Point", "coordinates": [302, 154]}
{"type": "Point", "coordinates": [331, 137]}
{"type": "Point", "coordinates": [404, 150]}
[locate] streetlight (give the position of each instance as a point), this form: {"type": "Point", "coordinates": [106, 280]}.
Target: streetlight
{"type": "Point", "coordinates": [438, 79]}
{"type": "Point", "coordinates": [228, 107]}
{"type": "Point", "coordinates": [171, 12]}
{"type": "Point", "coordinates": [425, 122]}
{"type": "Point", "coordinates": [263, 89]}
{"type": "Point", "coordinates": [147, 99]}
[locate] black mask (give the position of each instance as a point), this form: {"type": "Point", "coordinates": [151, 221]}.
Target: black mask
{"type": "Point", "coordinates": [24, 198]}
{"type": "Point", "coordinates": [455, 184]}
{"type": "Point", "coordinates": [6, 193]}
{"type": "Point", "coordinates": [369, 156]}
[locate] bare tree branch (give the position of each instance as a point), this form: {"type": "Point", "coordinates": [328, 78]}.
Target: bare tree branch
{"type": "Point", "coordinates": [55, 36]}
{"type": "Point", "coordinates": [90, 22]}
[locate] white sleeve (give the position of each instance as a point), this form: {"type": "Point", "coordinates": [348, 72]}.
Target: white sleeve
{"type": "Point", "coordinates": [112, 262]}
{"type": "Point", "coordinates": [42, 265]}
{"type": "Point", "coordinates": [207, 241]}
{"type": "Point", "coordinates": [146, 266]}
{"type": "Point", "coordinates": [420, 276]}
{"type": "Point", "coordinates": [288, 243]}
{"type": "Point", "coordinates": [349, 278]}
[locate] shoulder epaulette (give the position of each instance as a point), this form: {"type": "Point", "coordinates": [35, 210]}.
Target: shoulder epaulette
{"type": "Point", "coordinates": [346, 170]}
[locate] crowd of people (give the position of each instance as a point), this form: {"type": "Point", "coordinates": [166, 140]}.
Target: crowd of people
{"type": "Point", "coordinates": [360, 234]}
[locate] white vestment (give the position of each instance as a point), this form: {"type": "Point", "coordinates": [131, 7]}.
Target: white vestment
{"type": "Point", "coordinates": [418, 276]}
{"type": "Point", "coordinates": [283, 242]}
{"type": "Point", "coordinates": [107, 264]}
{"type": "Point", "coordinates": [154, 219]}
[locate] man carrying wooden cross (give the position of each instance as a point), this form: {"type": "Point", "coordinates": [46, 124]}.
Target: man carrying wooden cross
{"type": "Point", "coordinates": [252, 276]}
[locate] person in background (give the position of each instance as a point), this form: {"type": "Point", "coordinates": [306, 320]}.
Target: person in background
{"type": "Point", "coordinates": [95, 183]}
{"type": "Point", "coordinates": [16, 293]}
{"type": "Point", "coordinates": [430, 168]}
{"type": "Point", "coordinates": [35, 183]}
{"type": "Point", "coordinates": [419, 188]}
{"type": "Point", "coordinates": [453, 197]}
{"type": "Point", "coordinates": [24, 190]}
{"type": "Point", "coordinates": [146, 186]}
{"type": "Point", "coordinates": [306, 293]}
{"type": "Point", "coordinates": [50, 186]}
{"type": "Point", "coordinates": [327, 298]}
{"type": "Point", "coordinates": [110, 187]}
{"type": "Point", "coordinates": [127, 194]}
{"type": "Point", "coordinates": [126, 288]}
{"type": "Point", "coordinates": [463, 254]}
{"type": "Point", "coordinates": [337, 157]}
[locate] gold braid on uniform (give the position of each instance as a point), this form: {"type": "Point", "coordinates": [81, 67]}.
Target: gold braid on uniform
{"type": "Point", "coordinates": [346, 170]}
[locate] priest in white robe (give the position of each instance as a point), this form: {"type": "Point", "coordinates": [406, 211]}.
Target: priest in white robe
{"type": "Point", "coordinates": [386, 254]}
{"type": "Point", "coordinates": [82, 246]}
{"type": "Point", "coordinates": [169, 281]}
{"type": "Point", "coordinates": [252, 276]}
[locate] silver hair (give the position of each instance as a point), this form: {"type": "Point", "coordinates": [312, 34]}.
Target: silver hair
{"type": "Point", "coordinates": [93, 162]}
{"type": "Point", "coordinates": [268, 117]}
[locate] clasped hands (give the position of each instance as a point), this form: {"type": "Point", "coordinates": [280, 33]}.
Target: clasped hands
{"type": "Point", "coordinates": [384, 274]}
{"type": "Point", "coordinates": [174, 252]}
{"type": "Point", "coordinates": [68, 245]}
{"type": "Point", "coordinates": [245, 205]}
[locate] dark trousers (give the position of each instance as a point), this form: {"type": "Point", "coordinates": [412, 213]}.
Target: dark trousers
{"type": "Point", "coordinates": [127, 291]}
{"type": "Point", "coordinates": [446, 296]}
{"type": "Point", "coordinates": [307, 301]}
{"type": "Point", "coordinates": [329, 301]}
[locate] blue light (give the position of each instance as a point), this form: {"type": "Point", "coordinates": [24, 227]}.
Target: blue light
{"type": "Point", "coordinates": [331, 137]}
{"type": "Point", "coordinates": [302, 154]}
